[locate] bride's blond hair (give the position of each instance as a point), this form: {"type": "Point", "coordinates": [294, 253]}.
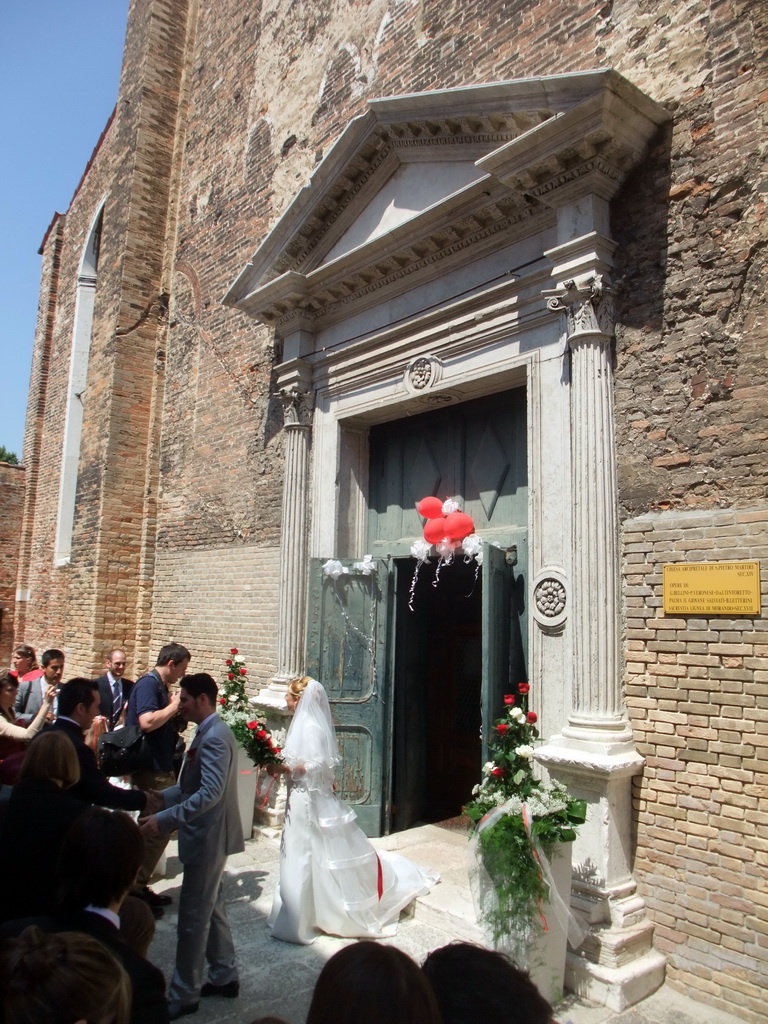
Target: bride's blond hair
{"type": "Point", "coordinates": [298, 686]}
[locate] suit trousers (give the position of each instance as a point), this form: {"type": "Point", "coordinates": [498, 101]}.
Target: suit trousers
{"type": "Point", "coordinates": [154, 846]}
{"type": "Point", "coordinates": [203, 934]}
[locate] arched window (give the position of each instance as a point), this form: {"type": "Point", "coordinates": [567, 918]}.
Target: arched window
{"type": "Point", "coordinates": [78, 370]}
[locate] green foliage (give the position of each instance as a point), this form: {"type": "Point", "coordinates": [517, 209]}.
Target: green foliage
{"type": "Point", "coordinates": [509, 850]}
{"type": "Point", "coordinates": [252, 735]}
{"type": "Point", "coordinates": [10, 457]}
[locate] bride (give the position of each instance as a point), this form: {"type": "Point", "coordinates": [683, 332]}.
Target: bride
{"type": "Point", "coordinates": [331, 878]}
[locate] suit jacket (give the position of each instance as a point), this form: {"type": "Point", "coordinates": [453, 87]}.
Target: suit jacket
{"type": "Point", "coordinates": [94, 787]}
{"type": "Point", "coordinates": [29, 700]}
{"type": "Point", "coordinates": [203, 805]}
{"type": "Point", "coordinates": [149, 1005]}
{"type": "Point", "coordinates": [107, 704]}
{"type": "Point", "coordinates": [36, 822]}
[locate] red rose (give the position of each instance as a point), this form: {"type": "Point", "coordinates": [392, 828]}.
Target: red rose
{"type": "Point", "coordinates": [262, 734]}
{"type": "Point", "coordinates": [243, 671]}
{"type": "Point", "coordinates": [253, 725]}
{"type": "Point", "coordinates": [278, 750]}
{"type": "Point", "coordinates": [230, 675]}
{"type": "Point", "coordinates": [228, 661]}
{"type": "Point", "coordinates": [233, 650]}
{"type": "Point", "coordinates": [509, 698]}
{"type": "Point", "coordinates": [532, 717]}
{"type": "Point", "coordinates": [499, 773]}
{"type": "Point", "coordinates": [523, 687]}
{"type": "Point", "coordinates": [502, 728]}
{"type": "Point", "coordinates": [222, 700]}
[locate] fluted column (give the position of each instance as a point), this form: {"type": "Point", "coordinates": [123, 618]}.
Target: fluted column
{"type": "Point", "coordinates": [291, 612]}
{"type": "Point", "coordinates": [597, 708]}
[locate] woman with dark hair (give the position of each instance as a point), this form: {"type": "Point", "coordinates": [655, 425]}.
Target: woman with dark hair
{"type": "Point", "coordinates": [374, 983]}
{"type": "Point", "coordinates": [67, 978]}
{"type": "Point", "coordinates": [14, 737]}
{"type": "Point", "coordinates": [40, 814]}
{"type": "Point", "coordinates": [480, 986]}
{"type": "Point", "coordinates": [331, 878]}
{"type": "Point", "coordinates": [25, 666]}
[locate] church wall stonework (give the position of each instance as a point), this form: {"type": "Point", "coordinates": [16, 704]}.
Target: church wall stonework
{"type": "Point", "coordinates": [224, 111]}
{"type": "Point", "coordinates": [698, 699]}
{"type": "Point", "coordinates": [12, 483]}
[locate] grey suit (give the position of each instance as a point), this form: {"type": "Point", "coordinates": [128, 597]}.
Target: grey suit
{"type": "Point", "coordinates": [203, 807]}
{"type": "Point", "coordinates": [29, 700]}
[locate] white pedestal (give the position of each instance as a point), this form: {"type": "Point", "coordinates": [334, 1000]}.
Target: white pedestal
{"type": "Point", "coordinates": [246, 791]}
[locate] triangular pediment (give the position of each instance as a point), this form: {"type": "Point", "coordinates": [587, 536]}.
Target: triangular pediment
{"type": "Point", "coordinates": [428, 171]}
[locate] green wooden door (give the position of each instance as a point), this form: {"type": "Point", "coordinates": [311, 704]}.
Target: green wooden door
{"type": "Point", "coordinates": [504, 626]}
{"type": "Point", "coordinates": [348, 629]}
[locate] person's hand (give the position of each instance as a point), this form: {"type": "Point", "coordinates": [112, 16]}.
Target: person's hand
{"type": "Point", "coordinates": [148, 826]}
{"type": "Point", "coordinates": [50, 694]}
{"type": "Point", "coordinates": [154, 802]}
{"type": "Point", "coordinates": [174, 699]}
{"type": "Point", "coordinates": [278, 769]}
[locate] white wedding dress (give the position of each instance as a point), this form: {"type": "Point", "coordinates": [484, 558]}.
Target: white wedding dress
{"type": "Point", "coordinates": [331, 878]}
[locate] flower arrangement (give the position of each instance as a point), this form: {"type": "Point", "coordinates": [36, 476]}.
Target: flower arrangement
{"type": "Point", "coordinates": [518, 820]}
{"type": "Point", "coordinates": [252, 735]}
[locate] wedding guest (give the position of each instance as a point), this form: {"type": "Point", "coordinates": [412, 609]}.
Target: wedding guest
{"type": "Point", "coordinates": [14, 736]}
{"type": "Point", "coordinates": [32, 692]}
{"type": "Point", "coordinates": [25, 666]}
{"type": "Point", "coordinates": [114, 688]}
{"type": "Point", "coordinates": [373, 983]}
{"type": "Point", "coordinates": [98, 863]}
{"type": "Point", "coordinates": [40, 813]}
{"type": "Point", "coordinates": [481, 986]}
{"type": "Point", "coordinates": [58, 979]}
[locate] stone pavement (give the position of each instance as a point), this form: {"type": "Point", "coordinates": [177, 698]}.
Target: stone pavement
{"type": "Point", "coordinates": [278, 978]}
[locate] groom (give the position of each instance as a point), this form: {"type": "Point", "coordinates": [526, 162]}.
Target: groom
{"type": "Point", "coordinates": [203, 807]}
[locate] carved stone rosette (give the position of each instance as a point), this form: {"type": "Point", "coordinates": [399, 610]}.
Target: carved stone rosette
{"type": "Point", "coordinates": [422, 374]}
{"type": "Point", "coordinates": [550, 600]}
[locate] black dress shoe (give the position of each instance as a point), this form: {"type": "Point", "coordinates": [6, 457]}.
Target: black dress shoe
{"type": "Point", "coordinates": [230, 991]}
{"type": "Point", "coordinates": [183, 1011]}
{"type": "Point", "coordinates": [152, 898]}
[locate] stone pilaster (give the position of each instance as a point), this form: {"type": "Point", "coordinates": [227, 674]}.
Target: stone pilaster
{"type": "Point", "coordinates": [297, 399]}
{"type": "Point", "coordinates": [594, 754]}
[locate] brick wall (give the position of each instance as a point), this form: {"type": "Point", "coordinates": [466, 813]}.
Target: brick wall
{"type": "Point", "coordinates": [12, 482]}
{"type": "Point", "coordinates": [697, 691]}
{"type": "Point", "coordinates": [215, 598]}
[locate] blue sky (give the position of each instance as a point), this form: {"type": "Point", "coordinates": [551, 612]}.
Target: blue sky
{"type": "Point", "coordinates": [59, 74]}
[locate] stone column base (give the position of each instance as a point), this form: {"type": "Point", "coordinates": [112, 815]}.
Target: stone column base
{"type": "Point", "coordinates": [617, 987]}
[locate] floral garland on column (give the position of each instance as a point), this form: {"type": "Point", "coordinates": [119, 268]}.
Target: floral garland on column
{"type": "Point", "coordinates": [518, 821]}
{"type": "Point", "coordinates": [252, 735]}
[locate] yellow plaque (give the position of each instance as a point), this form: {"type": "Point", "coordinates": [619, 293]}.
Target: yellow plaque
{"type": "Point", "coordinates": [712, 588]}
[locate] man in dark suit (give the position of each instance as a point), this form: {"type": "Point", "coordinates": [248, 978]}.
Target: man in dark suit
{"type": "Point", "coordinates": [203, 807]}
{"type": "Point", "coordinates": [96, 868]}
{"type": "Point", "coordinates": [78, 706]}
{"type": "Point", "coordinates": [114, 690]}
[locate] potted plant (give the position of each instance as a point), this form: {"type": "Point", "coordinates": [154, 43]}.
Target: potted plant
{"type": "Point", "coordinates": [522, 831]}
{"type": "Point", "coordinates": [255, 740]}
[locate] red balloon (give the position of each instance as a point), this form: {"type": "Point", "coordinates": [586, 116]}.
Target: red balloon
{"type": "Point", "coordinates": [430, 508]}
{"type": "Point", "coordinates": [458, 525]}
{"type": "Point", "coordinates": [434, 530]}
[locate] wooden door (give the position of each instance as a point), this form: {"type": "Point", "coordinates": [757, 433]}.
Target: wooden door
{"type": "Point", "coordinates": [348, 626]}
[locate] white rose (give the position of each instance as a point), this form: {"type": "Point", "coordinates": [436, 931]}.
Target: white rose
{"type": "Point", "coordinates": [488, 767]}
{"type": "Point", "coordinates": [239, 657]}
{"type": "Point", "coordinates": [524, 751]}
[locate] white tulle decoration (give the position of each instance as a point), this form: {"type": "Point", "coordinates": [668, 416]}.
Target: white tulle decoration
{"type": "Point", "coordinates": [367, 566]}
{"type": "Point", "coordinates": [450, 506]}
{"type": "Point", "coordinates": [334, 568]}
{"type": "Point", "coordinates": [420, 550]}
{"type": "Point", "coordinates": [472, 545]}
{"type": "Point", "coordinates": [446, 549]}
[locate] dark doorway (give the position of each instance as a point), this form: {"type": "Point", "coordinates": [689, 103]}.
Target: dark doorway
{"type": "Point", "coordinates": [437, 691]}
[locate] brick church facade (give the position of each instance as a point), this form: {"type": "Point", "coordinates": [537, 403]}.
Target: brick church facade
{"type": "Point", "coordinates": [305, 226]}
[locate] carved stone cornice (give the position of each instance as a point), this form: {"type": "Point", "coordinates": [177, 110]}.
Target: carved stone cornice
{"type": "Point", "coordinates": [536, 145]}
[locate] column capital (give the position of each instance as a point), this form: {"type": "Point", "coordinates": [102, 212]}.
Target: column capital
{"type": "Point", "coordinates": [298, 403]}
{"type": "Point", "coordinates": [588, 305]}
